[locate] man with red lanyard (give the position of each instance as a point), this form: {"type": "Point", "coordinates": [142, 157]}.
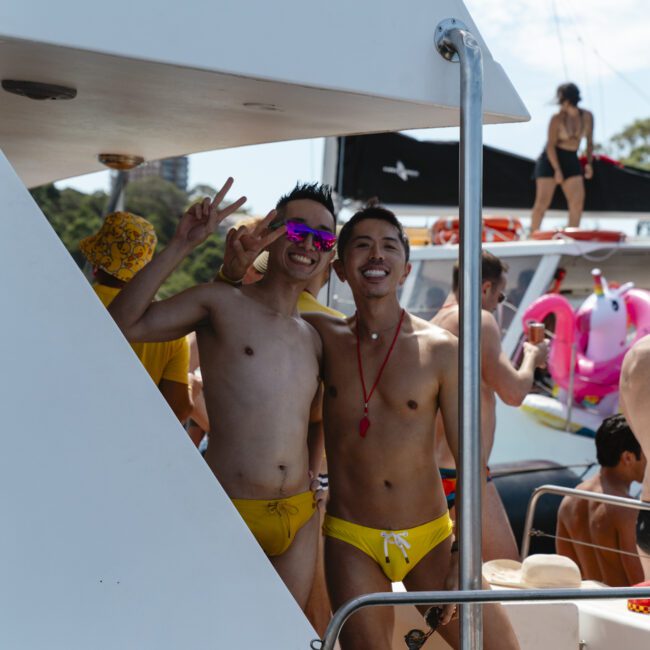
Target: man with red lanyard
{"type": "Point", "coordinates": [386, 375]}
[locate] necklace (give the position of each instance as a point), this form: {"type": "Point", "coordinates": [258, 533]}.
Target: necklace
{"type": "Point", "coordinates": [364, 422]}
{"type": "Point", "coordinates": [374, 336]}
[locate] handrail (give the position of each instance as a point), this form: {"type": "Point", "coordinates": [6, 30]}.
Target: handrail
{"type": "Point", "coordinates": [470, 596]}
{"type": "Point", "coordinates": [624, 502]}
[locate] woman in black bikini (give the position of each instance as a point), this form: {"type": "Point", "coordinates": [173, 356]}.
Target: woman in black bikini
{"type": "Point", "coordinates": [558, 164]}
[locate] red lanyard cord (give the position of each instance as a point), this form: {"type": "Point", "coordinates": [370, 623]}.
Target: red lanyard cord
{"type": "Point", "coordinates": [364, 423]}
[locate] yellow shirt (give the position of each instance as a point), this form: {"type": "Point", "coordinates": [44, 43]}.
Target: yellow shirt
{"type": "Point", "coordinates": [165, 360]}
{"type": "Point", "coordinates": [307, 303]}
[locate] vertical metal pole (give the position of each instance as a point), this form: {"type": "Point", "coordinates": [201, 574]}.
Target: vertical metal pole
{"type": "Point", "coordinates": [456, 39]}
{"type": "Point", "coordinates": [569, 397]}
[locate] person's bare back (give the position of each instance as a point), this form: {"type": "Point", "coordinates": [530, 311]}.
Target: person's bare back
{"type": "Point", "coordinates": [498, 377]}
{"type": "Point", "coordinates": [603, 526]}
{"type": "Point", "coordinates": [448, 318]}
{"type": "Point", "coordinates": [587, 529]}
{"type": "Point", "coordinates": [634, 402]}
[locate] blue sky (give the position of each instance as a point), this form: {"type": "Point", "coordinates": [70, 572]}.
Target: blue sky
{"type": "Point", "coordinates": [599, 44]}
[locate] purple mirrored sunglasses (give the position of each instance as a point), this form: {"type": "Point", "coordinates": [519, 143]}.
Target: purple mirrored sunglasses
{"type": "Point", "coordinates": [298, 232]}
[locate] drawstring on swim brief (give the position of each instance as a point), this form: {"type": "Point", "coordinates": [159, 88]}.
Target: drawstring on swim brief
{"type": "Point", "coordinates": [399, 540]}
{"type": "Point", "coordinates": [284, 510]}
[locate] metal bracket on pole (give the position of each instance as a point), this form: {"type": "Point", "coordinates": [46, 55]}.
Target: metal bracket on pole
{"type": "Point", "coordinates": [455, 43]}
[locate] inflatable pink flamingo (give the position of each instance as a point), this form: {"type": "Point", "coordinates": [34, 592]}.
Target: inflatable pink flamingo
{"type": "Point", "coordinates": [599, 331]}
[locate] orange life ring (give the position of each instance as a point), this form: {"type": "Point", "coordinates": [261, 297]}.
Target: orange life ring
{"type": "Point", "coordinates": [495, 229]}
{"type": "Point", "coordinates": [580, 235]}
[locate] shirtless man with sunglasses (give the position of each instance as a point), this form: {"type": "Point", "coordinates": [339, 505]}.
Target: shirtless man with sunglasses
{"type": "Point", "coordinates": [259, 360]}
{"type": "Point", "coordinates": [500, 378]}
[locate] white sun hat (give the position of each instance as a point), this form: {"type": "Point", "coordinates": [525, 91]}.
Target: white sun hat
{"type": "Point", "coordinates": [536, 572]}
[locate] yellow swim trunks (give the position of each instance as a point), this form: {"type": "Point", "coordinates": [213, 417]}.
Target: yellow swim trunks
{"type": "Point", "coordinates": [396, 551]}
{"type": "Point", "coordinates": [275, 522]}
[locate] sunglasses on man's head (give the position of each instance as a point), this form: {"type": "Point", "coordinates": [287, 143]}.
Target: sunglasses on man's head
{"type": "Point", "coordinates": [298, 232]}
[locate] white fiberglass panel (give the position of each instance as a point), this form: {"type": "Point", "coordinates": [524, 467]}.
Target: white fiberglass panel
{"type": "Point", "coordinates": [379, 48]}
{"type": "Point", "coordinates": [187, 77]}
{"type": "Point", "coordinates": [115, 534]}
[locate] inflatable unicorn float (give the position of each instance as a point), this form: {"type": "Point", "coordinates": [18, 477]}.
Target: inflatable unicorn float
{"type": "Point", "coordinates": [587, 351]}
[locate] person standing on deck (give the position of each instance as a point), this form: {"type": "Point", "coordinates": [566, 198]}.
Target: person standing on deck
{"type": "Point", "coordinates": [498, 377]}
{"type": "Point", "coordinates": [558, 164]}
{"type": "Point", "coordinates": [635, 379]}
{"type": "Point", "coordinates": [117, 251]}
{"type": "Point", "coordinates": [259, 362]}
{"type": "Point", "coordinates": [603, 524]}
{"type": "Point", "coordinates": [386, 375]}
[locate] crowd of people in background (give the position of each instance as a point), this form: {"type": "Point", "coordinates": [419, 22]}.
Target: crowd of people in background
{"type": "Point", "coordinates": [336, 438]}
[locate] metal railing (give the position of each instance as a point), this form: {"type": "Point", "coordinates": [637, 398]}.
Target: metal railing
{"type": "Point", "coordinates": [624, 502]}
{"type": "Point", "coordinates": [476, 596]}
{"type": "Point", "coordinates": [472, 596]}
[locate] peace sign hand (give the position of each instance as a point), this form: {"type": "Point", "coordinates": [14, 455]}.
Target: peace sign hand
{"type": "Point", "coordinates": [244, 244]}
{"type": "Point", "coordinates": [201, 219]}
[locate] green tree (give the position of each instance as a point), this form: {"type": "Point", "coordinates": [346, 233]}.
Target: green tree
{"type": "Point", "coordinates": [158, 201]}
{"type": "Point", "coordinates": [75, 215]}
{"type": "Point", "coordinates": [632, 145]}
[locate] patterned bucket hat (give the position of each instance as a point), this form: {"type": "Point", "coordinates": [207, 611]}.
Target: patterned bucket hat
{"type": "Point", "coordinates": [123, 245]}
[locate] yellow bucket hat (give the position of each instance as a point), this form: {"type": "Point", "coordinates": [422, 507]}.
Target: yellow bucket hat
{"type": "Point", "coordinates": [123, 245]}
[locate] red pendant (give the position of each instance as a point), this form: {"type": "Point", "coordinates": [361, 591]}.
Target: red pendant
{"type": "Point", "coordinates": [364, 424]}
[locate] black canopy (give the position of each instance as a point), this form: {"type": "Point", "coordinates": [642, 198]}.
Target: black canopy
{"type": "Point", "coordinates": [400, 170]}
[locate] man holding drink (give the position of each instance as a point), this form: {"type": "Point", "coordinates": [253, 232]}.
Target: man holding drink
{"type": "Point", "coordinates": [498, 377]}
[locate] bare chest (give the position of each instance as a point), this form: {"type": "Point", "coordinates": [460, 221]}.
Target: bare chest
{"type": "Point", "coordinates": [397, 386]}
{"type": "Point", "coordinates": [267, 356]}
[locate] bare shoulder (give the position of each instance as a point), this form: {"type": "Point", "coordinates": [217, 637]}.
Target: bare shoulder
{"type": "Point", "coordinates": [636, 363]}
{"type": "Point", "coordinates": [326, 324]}
{"type": "Point", "coordinates": [437, 338]}
{"type": "Point", "coordinates": [311, 331]}
{"type": "Point", "coordinates": [488, 322]}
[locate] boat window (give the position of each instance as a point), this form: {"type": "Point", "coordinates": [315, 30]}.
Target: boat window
{"type": "Point", "coordinates": [618, 266]}
{"type": "Point", "coordinates": [432, 285]}
{"type": "Point", "coordinates": [520, 273]}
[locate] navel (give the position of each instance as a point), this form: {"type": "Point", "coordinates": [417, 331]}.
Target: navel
{"type": "Point", "coordinates": [249, 351]}
{"type": "Point", "coordinates": [412, 404]}
{"type": "Point", "coordinates": [388, 484]}
{"type": "Point", "coordinates": [332, 392]}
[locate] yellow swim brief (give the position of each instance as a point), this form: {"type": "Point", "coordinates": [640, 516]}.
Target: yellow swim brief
{"type": "Point", "coordinates": [275, 522]}
{"type": "Point", "coordinates": [396, 551]}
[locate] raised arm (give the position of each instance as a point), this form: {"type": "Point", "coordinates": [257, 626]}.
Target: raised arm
{"type": "Point", "coordinates": [498, 373]}
{"type": "Point", "coordinates": [137, 316]}
{"type": "Point", "coordinates": [244, 244]}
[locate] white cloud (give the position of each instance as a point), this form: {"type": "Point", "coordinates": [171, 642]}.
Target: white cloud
{"type": "Point", "coordinates": [526, 30]}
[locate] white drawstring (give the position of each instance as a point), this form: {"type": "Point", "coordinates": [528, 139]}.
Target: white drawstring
{"type": "Point", "coordinates": [399, 540]}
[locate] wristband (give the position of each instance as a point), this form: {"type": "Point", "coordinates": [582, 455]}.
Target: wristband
{"type": "Point", "coordinates": [224, 278]}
